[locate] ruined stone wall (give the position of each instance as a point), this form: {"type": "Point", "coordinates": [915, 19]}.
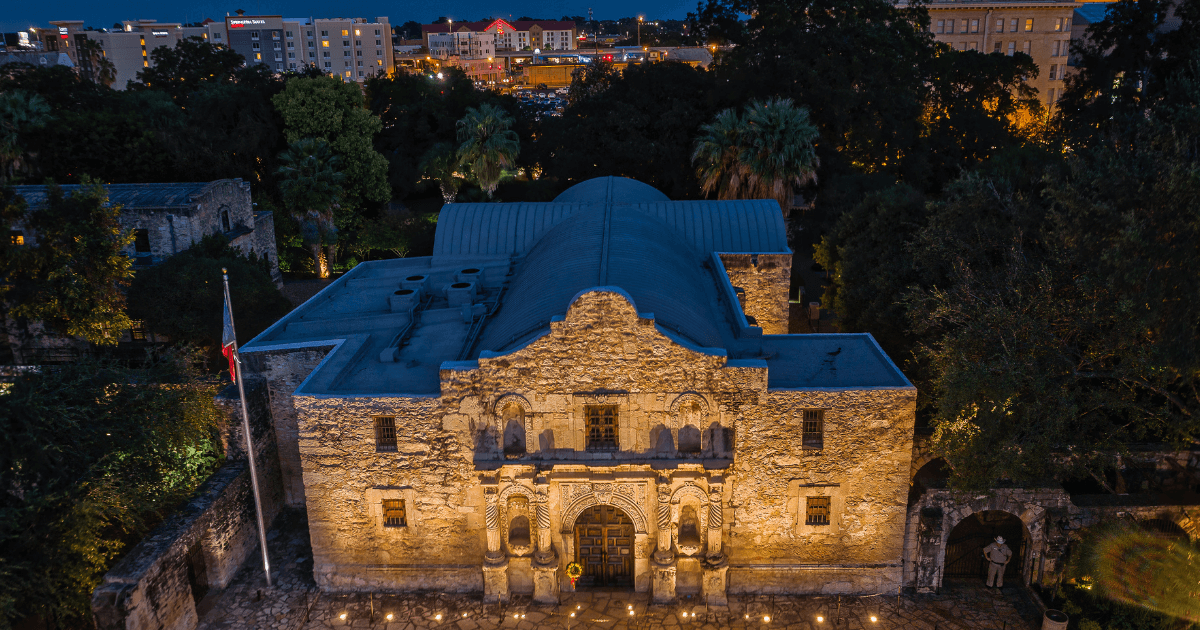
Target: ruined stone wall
{"type": "Point", "coordinates": [862, 468]}
{"type": "Point", "coordinates": [264, 243]}
{"type": "Point", "coordinates": [149, 589]}
{"type": "Point", "coordinates": [765, 280]}
{"type": "Point", "coordinates": [284, 371]}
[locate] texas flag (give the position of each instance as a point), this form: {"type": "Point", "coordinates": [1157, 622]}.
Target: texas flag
{"type": "Point", "coordinates": [228, 340]}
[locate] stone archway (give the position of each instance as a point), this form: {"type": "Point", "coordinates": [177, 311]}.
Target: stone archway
{"type": "Point", "coordinates": [628, 497]}
{"type": "Point", "coordinates": [604, 544]}
{"type": "Point", "coordinates": [966, 541]}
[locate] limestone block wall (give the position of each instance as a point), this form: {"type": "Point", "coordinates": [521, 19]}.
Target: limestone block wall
{"type": "Point", "coordinates": [346, 480]}
{"type": "Point", "coordinates": [863, 469]}
{"type": "Point", "coordinates": [284, 371]}
{"type": "Point", "coordinates": [149, 589]}
{"type": "Point", "coordinates": [264, 243]}
{"type": "Point", "coordinates": [765, 279]}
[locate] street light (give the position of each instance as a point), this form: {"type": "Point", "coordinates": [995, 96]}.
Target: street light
{"type": "Point", "coordinates": [639, 30]}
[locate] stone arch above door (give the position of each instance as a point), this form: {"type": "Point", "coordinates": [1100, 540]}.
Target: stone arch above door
{"type": "Point", "coordinates": [622, 495]}
{"type": "Point", "coordinates": [686, 398]}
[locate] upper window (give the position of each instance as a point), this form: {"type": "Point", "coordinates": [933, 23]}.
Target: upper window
{"type": "Point", "coordinates": [385, 434]}
{"type": "Point", "coordinates": [974, 26]}
{"type": "Point", "coordinates": [1028, 25]}
{"type": "Point", "coordinates": [816, 511]}
{"type": "Point", "coordinates": [601, 424]}
{"type": "Point", "coordinates": [1000, 26]}
{"type": "Point", "coordinates": [141, 240]}
{"type": "Point", "coordinates": [345, 33]}
{"type": "Point", "coordinates": [393, 513]}
{"type": "Point", "coordinates": [17, 237]}
{"type": "Point", "coordinates": [814, 428]}
{"type": "Point", "coordinates": [1012, 25]}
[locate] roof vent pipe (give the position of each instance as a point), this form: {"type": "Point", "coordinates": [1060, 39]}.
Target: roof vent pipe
{"type": "Point", "coordinates": [417, 283]}
{"type": "Point", "coordinates": [472, 274]}
{"type": "Point", "coordinates": [404, 300]}
{"type": "Point", "coordinates": [460, 293]}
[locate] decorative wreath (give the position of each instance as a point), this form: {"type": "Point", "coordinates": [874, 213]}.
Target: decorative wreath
{"type": "Point", "coordinates": [574, 570]}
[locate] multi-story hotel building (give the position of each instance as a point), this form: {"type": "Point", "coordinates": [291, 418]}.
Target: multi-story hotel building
{"type": "Point", "coordinates": [518, 35]}
{"type": "Point", "coordinates": [1040, 29]}
{"type": "Point", "coordinates": [352, 48]}
{"type": "Point", "coordinates": [128, 48]}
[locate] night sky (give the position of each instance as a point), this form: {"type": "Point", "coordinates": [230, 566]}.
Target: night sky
{"type": "Point", "coordinates": [22, 15]}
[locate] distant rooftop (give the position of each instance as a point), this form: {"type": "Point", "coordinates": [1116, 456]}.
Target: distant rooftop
{"type": "Point", "coordinates": [175, 195]}
{"type": "Point", "coordinates": [1093, 12]}
{"type": "Point", "coordinates": [531, 261]}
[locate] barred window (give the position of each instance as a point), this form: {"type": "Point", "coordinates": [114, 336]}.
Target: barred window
{"type": "Point", "coordinates": [601, 427]}
{"type": "Point", "coordinates": [814, 428]}
{"type": "Point", "coordinates": [816, 511]}
{"type": "Point", "coordinates": [385, 434]}
{"type": "Point", "coordinates": [393, 513]}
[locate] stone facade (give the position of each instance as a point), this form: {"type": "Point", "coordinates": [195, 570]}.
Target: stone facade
{"type": "Point", "coordinates": [462, 487]}
{"type": "Point", "coordinates": [762, 282]}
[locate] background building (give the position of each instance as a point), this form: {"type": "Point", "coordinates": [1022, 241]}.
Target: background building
{"type": "Point", "coordinates": [517, 35]}
{"type": "Point", "coordinates": [1041, 30]}
{"type": "Point", "coordinates": [129, 49]}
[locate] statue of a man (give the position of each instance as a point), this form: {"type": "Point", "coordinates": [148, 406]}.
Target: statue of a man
{"type": "Point", "coordinates": [997, 554]}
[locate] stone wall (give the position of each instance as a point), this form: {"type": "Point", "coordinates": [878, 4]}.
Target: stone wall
{"type": "Point", "coordinates": [210, 537]}
{"type": "Point", "coordinates": [283, 371]}
{"type": "Point", "coordinates": [862, 468]}
{"type": "Point", "coordinates": [764, 280]}
{"type": "Point", "coordinates": [264, 243]}
{"type": "Point", "coordinates": [461, 489]}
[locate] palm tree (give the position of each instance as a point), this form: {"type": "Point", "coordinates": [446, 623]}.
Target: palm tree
{"type": "Point", "coordinates": [102, 70]}
{"type": "Point", "coordinates": [718, 152]}
{"type": "Point", "coordinates": [19, 112]}
{"type": "Point", "coordinates": [441, 163]}
{"type": "Point", "coordinates": [311, 185]}
{"type": "Point", "coordinates": [488, 144]}
{"type": "Point", "coordinates": [759, 156]}
{"type": "Point", "coordinates": [779, 150]}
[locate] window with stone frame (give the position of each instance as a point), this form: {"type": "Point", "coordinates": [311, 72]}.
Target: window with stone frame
{"type": "Point", "coordinates": [816, 511]}
{"type": "Point", "coordinates": [813, 431]}
{"type": "Point", "coordinates": [393, 513]}
{"type": "Point", "coordinates": [600, 422]}
{"type": "Point", "coordinates": [385, 434]}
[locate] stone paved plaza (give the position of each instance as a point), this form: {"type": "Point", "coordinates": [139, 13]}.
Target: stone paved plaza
{"type": "Point", "coordinates": [294, 603]}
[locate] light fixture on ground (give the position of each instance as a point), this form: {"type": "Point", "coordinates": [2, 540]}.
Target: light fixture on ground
{"type": "Point", "coordinates": [820, 619]}
{"type": "Point", "coordinates": [874, 619]}
{"type": "Point", "coordinates": [389, 616]}
{"type": "Point", "coordinates": [342, 616]}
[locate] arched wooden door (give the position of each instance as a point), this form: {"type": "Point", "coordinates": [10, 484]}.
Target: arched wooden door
{"type": "Point", "coordinates": [604, 547]}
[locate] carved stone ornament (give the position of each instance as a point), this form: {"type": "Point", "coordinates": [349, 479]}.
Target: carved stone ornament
{"type": "Point", "coordinates": [603, 492]}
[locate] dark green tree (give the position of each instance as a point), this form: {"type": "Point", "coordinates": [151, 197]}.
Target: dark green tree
{"type": "Point", "coordinates": [192, 63]}
{"type": "Point", "coordinates": [70, 275]}
{"type": "Point", "coordinates": [93, 454]}
{"type": "Point", "coordinates": [182, 298]}
{"type": "Point", "coordinates": [312, 185]}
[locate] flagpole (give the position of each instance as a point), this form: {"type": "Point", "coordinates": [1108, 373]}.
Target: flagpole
{"type": "Point", "coordinates": [237, 363]}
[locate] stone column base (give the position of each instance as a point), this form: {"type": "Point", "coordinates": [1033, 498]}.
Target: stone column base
{"type": "Point", "coordinates": [716, 584]}
{"type": "Point", "coordinates": [495, 581]}
{"type": "Point", "coordinates": [545, 583]}
{"type": "Point", "coordinates": [663, 588]}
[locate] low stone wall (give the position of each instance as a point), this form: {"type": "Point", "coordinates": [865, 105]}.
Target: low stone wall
{"type": "Point", "coordinates": [201, 546]}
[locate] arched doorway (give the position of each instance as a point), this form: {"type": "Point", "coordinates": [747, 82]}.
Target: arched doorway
{"type": "Point", "coordinates": [604, 547]}
{"type": "Point", "coordinates": [964, 546]}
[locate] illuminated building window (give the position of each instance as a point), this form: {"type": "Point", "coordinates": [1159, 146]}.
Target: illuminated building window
{"type": "Point", "coordinates": [345, 33]}
{"type": "Point", "coordinates": [393, 513]}
{"type": "Point", "coordinates": [816, 511]}
{"type": "Point", "coordinates": [1058, 25]}
{"type": "Point", "coordinates": [813, 431]}
{"type": "Point", "coordinates": [1028, 25]}
{"type": "Point", "coordinates": [17, 237]}
{"type": "Point", "coordinates": [258, 56]}
{"type": "Point", "coordinates": [601, 427]}
{"type": "Point", "coordinates": [137, 330]}
{"type": "Point", "coordinates": [379, 61]}
{"type": "Point", "coordinates": [358, 32]}
{"type": "Point", "coordinates": [348, 74]}
{"type": "Point", "coordinates": [385, 434]}
{"type": "Point", "coordinates": [325, 44]}
{"type": "Point", "coordinates": [145, 64]}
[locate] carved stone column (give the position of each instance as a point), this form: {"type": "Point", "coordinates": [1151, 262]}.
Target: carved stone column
{"type": "Point", "coordinates": [495, 565]}
{"type": "Point", "coordinates": [664, 554]}
{"type": "Point", "coordinates": [545, 561]}
{"type": "Point", "coordinates": [663, 568]}
{"type": "Point", "coordinates": [716, 566]}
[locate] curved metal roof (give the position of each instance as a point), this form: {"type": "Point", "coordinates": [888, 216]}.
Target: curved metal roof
{"type": "Point", "coordinates": [619, 247]}
{"type": "Point", "coordinates": [512, 229]}
{"type": "Point", "coordinates": [615, 189]}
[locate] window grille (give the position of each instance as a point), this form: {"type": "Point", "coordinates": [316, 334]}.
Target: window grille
{"type": "Point", "coordinates": [814, 428]}
{"type": "Point", "coordinates": [816, 511]}
{"type": "Point", "coordinates": [137, 330]}
{"type": "Point", "coordinates": [393, 513]}
{"type": "Point", "coordinates": [601, 421]}
{"type": "Point", "coordinates": [385, 434]}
